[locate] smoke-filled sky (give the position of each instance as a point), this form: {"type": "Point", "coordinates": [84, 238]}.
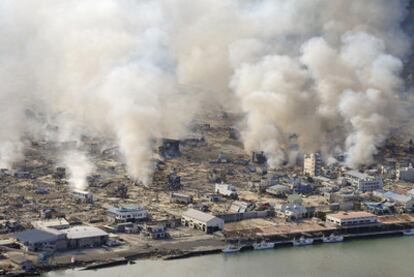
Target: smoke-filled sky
{"type": "Point", "coordinates": [139, 70]}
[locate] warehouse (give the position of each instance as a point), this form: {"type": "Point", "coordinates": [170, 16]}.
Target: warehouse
{"type": "Point", "coordinates": [38, 240]}
{"type": "Point", "coordinates": [85, 237]}
{"type": "Point", "coordinates": [202, 221]}
{"type": "Point", "coordinates": [351, 218]}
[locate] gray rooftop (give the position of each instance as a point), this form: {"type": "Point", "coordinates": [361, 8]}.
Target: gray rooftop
{"type": "Point", "coordinates": [35, 236]}
{"type": "Point", "coordinates": [198, 215]}
{"type": "Point", "coordinates": [357, 174]}
{"type": "Point", "coordinates": [80, 232]}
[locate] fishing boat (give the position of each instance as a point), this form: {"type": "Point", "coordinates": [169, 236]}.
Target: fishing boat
{"type": "Point", "coordinates": [409, 232]}
{"type": "Point", "coordinates": [302, 241]}
{"type": "Point", "coordinates": [232, 248]}
{"type": "Point", "coordinates": [333, 238]}
{"type": "Point", "coordinates": [263, 245]}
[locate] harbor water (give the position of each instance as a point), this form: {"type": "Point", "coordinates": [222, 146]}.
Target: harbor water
{"type": "Point", "coordinates": [361, 257]}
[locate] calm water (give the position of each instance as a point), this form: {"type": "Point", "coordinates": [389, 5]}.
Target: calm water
{"type": "Point", "coordinates": [372, 257]}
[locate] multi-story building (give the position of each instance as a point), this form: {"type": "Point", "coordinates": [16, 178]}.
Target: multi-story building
{"type": "Point", "coordinates": [125, 214]}
{"type": "Point", "coordinates": [312, 164]}
{"type": "Point", "coordinates": [405, 174]}
{"type": "Point", "coordinates": [351, 218]}
{"type": "Point", "coordinates": [364, 182]}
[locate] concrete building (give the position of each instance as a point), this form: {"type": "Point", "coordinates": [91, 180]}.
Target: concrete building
{"type": "Point", "coordinates": [312, 164]}
{"type": "Point", "coordinates": [85, 237]}
{"type": "Point", "coordinates": [127, 214]}
{"type": "Point", "coordinates": [39, 240]}
{"type": "Point", "coordinates": [351, 218]}
{"type": "Point", "coordinates": [202, 221]}
{"type": "Point", "coordinates": [405, 174]}
{"type": "Point", "coordinates": [363, 182]}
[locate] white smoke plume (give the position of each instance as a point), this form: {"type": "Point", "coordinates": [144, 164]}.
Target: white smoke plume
{"type": "Point", "coordinates": [138, 70]}
{"type": "Point", "coordinates": [79, 167]}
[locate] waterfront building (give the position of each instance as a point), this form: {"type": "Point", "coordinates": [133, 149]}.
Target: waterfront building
{"type": "Point", "coordinates": [39, 240]}
{"type": "Point", "coordinates": [202, 221]}
{"type": "Point", "coordinates": [85, 237]}
{"type": "Point", "coordinates": [351, 218]}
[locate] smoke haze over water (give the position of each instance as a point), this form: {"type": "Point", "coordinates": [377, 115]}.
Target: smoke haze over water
{"type": "Point", "coordinates": [327, 71]}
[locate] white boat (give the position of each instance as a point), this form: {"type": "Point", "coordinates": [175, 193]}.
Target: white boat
{"type": "Point", "coordinates": [333, 238]}
{"type": "Point", "coordinates": [302, 241]}
{"type": "Point", "coordinates": [232, 248]}
{"type": "Point", "coordinates": [409, 232]}
{"type": "Point", "coordinates": [263, 245]}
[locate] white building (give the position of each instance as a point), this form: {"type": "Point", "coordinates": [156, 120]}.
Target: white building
{"type": "Point", "coordinates": [57, 224]}
{"type": "Point", "coordinates": [129, 213]}
{"type": "Point", "coordinates": [290, 211]}
{"type": "Point", "coordinates": [351, 218]}
{"type": "Point", "coordinates": [312, 164]}
{"type": "Point", "coordinates": [83, 196]}
{"type": "Point", "coordinates": [363, 181]}
{"type": "Point", "coordinates": [202, 221]}
{"type": "Point", "coordinates": [406, 174]}
{"type": "Point", "coordinates": [226, 190]}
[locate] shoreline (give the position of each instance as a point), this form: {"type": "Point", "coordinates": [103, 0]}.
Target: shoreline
{"type": "Point", "coordinates": [167, 255]}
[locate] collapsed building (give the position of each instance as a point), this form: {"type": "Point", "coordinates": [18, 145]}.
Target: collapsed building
{"type": "Point", "coordinates": [170, 148]}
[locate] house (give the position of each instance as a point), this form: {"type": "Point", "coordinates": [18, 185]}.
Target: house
{"type": "Point", "coordinates": [351, 218]}
{"type": "Point", "coordinates": [406, 201]}
{"type": "Point", "coordinates": [40, 240]}
{"type": "Point", "coordinates": [299, 186]}
{"type": "Point", "coordinates": [278, 190]}
{"type": "Point", "coordinates": [85, 237]}
{"type": "Point", "coordinates": [82, 196]}
{"type": "Point", "coordinates": [241, 207]}
{"type": "Point", "coordinates": [154, 232]}
{"type": "Point", "coordinates": [379, 208]}
{"type": "Point", "coordinates": [363, 182]}
{"type": "Point", "coordinates": [202, 221]}
{"type": "Point", "coordinates": [181, 198]}
{"type": "Point", "coordinates": [127, 214]}
{"type": "Point", "coordinates": [291, 211]}
{"type": "Point", "coordinates": [405, 174]}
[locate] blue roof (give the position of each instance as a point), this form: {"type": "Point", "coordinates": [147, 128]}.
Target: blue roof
{"type": "Point", "coordinates": [35, 236]}
{"type": "Point", "coordinates": [397, 197]}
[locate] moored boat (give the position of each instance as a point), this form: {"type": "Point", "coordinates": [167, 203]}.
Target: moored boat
{"type": "Point", "coordinates": [263, 245]}
{"type": "Point", "coordinates": [302, 241]}
{"type": "Point", "coordinates": [232, 248]}
{"type": "Point", "coordinates": [409, 232]}
{"type": "Point", "coordinates": [333, 238]}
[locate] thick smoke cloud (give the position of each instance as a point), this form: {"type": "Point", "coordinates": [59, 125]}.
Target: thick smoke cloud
{"type": "Point", "coordinates": [326, 71]}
